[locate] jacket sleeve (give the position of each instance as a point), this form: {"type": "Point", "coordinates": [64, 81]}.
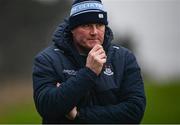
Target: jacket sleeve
{"type": "Point", "coordinates": [132, 105]}
{"type": "Point", "coordinates": [55, 102]}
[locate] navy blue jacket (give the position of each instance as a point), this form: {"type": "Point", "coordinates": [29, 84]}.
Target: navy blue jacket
{"type": "Point", "coordinates": [115, 96]}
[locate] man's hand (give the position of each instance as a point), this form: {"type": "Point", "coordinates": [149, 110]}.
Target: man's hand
{"type": "Point", "coordinates": [96, 58]}
{"type": "Point", "coordinates": [72, 114]}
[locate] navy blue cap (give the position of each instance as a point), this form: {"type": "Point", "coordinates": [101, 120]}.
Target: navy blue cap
{"type": "Point", "coordinates": [86, 12]}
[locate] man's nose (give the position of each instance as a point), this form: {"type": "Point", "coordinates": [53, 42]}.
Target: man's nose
{"type": "Point", "coordinates": [94, 30]}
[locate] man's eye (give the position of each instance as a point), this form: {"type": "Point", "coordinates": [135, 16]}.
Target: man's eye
{"type": "Point", "coordinates": [99, 25]}
{"type": "Point", "coordinates": [86, 25]}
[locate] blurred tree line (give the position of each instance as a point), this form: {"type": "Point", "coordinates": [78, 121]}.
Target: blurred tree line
{"type": "Point", "coordinates": [26, 27]}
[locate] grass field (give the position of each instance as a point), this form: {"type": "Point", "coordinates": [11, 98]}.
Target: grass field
{"type": "Point", "coordinates": [163, 106]}
{"type": "Point", "coordinates": [163, 103]}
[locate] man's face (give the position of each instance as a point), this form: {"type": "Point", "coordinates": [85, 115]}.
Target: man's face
{"type": "Point", "coordinates": [85, 37]}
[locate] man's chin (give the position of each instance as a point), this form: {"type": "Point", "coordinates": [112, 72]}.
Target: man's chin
{"type": "Point", "coordinates": [92, 45]}
{"type": "Point", "coordinates": [88, 48]}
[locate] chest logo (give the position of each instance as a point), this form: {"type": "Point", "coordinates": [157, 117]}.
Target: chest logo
{"type": "Point", "coordinates": [108, 71]}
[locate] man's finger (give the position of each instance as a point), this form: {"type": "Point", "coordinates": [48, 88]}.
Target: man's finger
{"type": "Point", "coordinates": [96, 48]}
{"type": "Point", "coordinates": [102, 55]}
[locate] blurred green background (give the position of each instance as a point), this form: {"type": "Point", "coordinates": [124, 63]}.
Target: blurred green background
{"type": "Point", "coordinates": [26, 27]}
{"type": "Point", "coordinates": [162, 104]}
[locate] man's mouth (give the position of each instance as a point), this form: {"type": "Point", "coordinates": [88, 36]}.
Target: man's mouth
{"type": "Point", "coordinates": [93, 39]}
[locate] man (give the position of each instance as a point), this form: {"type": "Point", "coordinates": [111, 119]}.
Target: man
{"type": "Point", "coordinates": [82, 77]}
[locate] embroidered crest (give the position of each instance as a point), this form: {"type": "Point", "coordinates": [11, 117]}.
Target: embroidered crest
{"type": "Point", "coordinates": [108, 70]}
